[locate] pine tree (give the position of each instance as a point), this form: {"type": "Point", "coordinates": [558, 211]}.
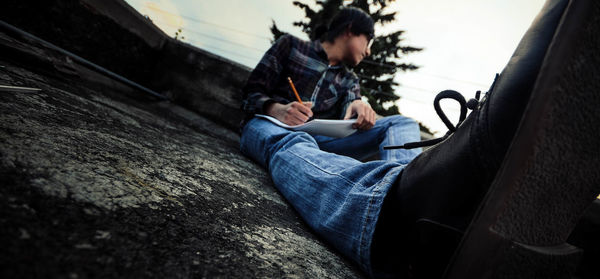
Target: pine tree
{"type": "Point", "coordinates": [377, 71]}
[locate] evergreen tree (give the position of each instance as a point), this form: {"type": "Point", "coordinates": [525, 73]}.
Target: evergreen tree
{"type": "Point", "coordinates": [377, 71]}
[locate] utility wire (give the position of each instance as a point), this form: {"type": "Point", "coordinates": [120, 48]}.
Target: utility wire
{"type": "Point", "coordinates": [366, 61]}
{"type": "Point", "coordinates": [453, 79]}
{"type": "Point", "coordinates": [359, 75]}
{"type": "Point", "coordinates": [222, 50]}
{"type": "Point", "coordinates": [213, 37]}
{"type": "Point", "coordinates": [382, 81]}
{"type": "Point", "coordinates": [208, 23]}
{"type": "Point", "coordinates": [379, 64]}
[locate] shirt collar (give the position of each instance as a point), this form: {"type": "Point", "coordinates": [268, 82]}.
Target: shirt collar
{"type": "Point", "coordinates": [318, 48]}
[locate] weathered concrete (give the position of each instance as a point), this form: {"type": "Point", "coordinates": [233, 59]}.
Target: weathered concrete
{"type": "Point", "coordinates": [115, 36]}
{"type": "Point", "coordinates": [98, 182]}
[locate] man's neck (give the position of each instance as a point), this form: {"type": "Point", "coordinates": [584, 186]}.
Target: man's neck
{"type": "Point", "coordinates": [334, 52]}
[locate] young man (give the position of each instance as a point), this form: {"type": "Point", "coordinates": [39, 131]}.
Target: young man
{"type": "Point", "coordinates": [519, 140]}
{"type": "Point", "coordinates": [337, 195]}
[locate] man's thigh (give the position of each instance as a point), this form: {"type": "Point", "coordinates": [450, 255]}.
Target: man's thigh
{"type": "Point", "coordinates": [261, 138]}
{"type": "Point", "coordinates": [362, 144]}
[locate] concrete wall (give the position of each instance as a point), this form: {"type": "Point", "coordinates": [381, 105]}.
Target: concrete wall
{"type": "Point", "coordinates": [115, 36]}
{"type": "Point", "coordinates": [192, 77]}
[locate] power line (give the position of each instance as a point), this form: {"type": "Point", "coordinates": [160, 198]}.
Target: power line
{"type": "Point", "coordinates": [268, 38]}
{"type": "Point", "coordinates": [223, 50]}
{"type": "Point", "coordinates": [371, 62]}
{"type": "Point", "coordinates": [394, 83]}
{"type": "Point", "coordinates": [451, 79]}
{"type": "Point", "coordinates": [214, 37]}
{"type": "Point", "coordinates": [372, 91]}
{"type": "Point", "coordinates": [361, 76]}
{"type": "Point", "coordinates": [262, 51]}
{"type": "Point", "coordinates": [253, 58]}
{"type": "Point", "coordinates": [401, 96]}
{"type": "Point", "coordinates": [373, 79]}
{"type": "Point", "coordinates": [208, 23]}
{"type": "Point", "coordinates": [367, 61]}
{"type": "Point", "coordinates": [429, 103]}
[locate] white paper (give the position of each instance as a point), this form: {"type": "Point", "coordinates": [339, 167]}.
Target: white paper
{"type": "Point", "coordinates": [325, 127]}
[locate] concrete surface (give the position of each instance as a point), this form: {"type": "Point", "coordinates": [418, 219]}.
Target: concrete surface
{"type": "Point", "coordinates": [100, 182]}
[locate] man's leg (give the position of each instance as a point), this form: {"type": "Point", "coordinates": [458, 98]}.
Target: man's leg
{"type": "Point", "coordinates": [339, 197]}
{"type": "Point", "coordinates": [390, 130]}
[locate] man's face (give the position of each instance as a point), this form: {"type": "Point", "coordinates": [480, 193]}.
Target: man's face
{"type": "Point", "coordinates": [357, 48]}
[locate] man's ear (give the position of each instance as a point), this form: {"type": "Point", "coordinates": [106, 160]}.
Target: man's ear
{"type": "Point", "coordinates": [347, 31]}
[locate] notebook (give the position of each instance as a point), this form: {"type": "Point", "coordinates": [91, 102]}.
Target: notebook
{"type": "Point", "coordinates": [325, 127]}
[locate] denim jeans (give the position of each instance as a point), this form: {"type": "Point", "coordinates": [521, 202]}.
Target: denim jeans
{"type": "Point", "coordinates": [337, 195]}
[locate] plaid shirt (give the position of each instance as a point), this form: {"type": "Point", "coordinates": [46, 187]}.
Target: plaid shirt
{"type": "Point", "coordinates": [330, 88]}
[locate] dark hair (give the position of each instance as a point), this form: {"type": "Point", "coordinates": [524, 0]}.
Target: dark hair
{"type": "Point", "coordinates": [358, 20]}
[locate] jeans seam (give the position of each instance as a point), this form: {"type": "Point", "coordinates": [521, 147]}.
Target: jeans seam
{"type": "Point", "coordinates": [366, 262]}
{"type": "Point", "coordinates": [391, 141]}
{"type": "Point", "coordinates": [326, 141]}
{"type": "Point", "coordinates": [323, 170]}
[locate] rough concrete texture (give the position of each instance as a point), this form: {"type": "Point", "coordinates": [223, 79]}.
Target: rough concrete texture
{"type": "Point", "coordinates": [112, 34]}
{"type": "Point", "coordinates": [98, 182]}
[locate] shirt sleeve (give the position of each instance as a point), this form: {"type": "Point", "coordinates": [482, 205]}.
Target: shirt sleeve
{"type": "Point", "coordinates": [258, 89]}
{"type": "Point", "coordinates": [352, 95]}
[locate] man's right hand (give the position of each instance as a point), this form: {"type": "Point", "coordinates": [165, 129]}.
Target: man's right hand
{"type": "Point", "coordinates": [293, 113]}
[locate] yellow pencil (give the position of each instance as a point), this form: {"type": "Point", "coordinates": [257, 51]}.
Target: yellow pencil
{"type": "Point", "coordinates": [294, 89]}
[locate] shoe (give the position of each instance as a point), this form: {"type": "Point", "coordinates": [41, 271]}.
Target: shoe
{"type": "Point", "coordinates": [518, 172]}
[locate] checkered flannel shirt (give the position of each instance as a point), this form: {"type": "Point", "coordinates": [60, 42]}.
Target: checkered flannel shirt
{"type": "Point", "coordinates": [330, 88]}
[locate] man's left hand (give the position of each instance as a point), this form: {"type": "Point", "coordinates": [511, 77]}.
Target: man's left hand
{"type": "Point", "coordinates": [365, 115]}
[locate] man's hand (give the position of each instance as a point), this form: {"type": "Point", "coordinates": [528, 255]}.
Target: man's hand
{"type": "Point", "coordinates": [293, 113]}
{"type": "Point", "coordinates": [366, 115]}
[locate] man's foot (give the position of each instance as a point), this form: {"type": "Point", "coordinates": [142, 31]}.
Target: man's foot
{"type": "Point", "coordinates": [529, 146]}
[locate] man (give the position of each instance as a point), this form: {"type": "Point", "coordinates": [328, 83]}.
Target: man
{"type": "Point", "coordinates": [370, 211]}
{"type": "Point", "coordinates": [339, 196]}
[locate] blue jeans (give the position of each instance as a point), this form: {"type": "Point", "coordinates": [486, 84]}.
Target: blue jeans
{"type": "Point", "coordinates": [338, 196]}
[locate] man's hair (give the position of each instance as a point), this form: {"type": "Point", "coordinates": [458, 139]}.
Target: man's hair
{"type": "Point", "coordinates": [357, 20]}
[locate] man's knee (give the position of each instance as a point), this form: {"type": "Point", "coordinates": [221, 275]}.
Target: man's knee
{"type": "Point", "coordinates": [400, 120]}
{"type": "Point", "coordinates": [293, 138]}
{"type": "Point", "coordinates": [261, 140]}
{"type": "Point", "coordinates": [258, 137]}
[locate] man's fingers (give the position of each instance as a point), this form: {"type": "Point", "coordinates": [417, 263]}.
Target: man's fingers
{"type": "Point", "coordinates": [303, 109]}
{"type": "Point", "coordinates": [299, 116]}
{"type": "Point", "coordinates": [292, 120]}
{"type": "Point", "coordinates": [348, 113]}
{"type": "Point", "coordinates": [367, 121]}
{"type": "Point", "coordinates": [295, 114]}
{"type": "Point", "coordinates": [360, 121]}
{"type": "Point", "coordinates": [371, 119]}
{"type": "Point", "coordinates": [306, 110]}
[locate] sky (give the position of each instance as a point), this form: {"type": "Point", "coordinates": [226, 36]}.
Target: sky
{"type": "Point", "coordinates": [465, 42]}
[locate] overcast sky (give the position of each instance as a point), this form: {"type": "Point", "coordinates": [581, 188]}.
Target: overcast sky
{"type": "Point", "coordinates": [466, 42]}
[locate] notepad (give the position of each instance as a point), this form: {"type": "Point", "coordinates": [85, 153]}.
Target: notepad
{"type": "Point", "coordinates": [325, 127]}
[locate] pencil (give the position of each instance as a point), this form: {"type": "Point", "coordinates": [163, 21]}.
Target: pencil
{"type": "Point", "coordinates": [294, 89]}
